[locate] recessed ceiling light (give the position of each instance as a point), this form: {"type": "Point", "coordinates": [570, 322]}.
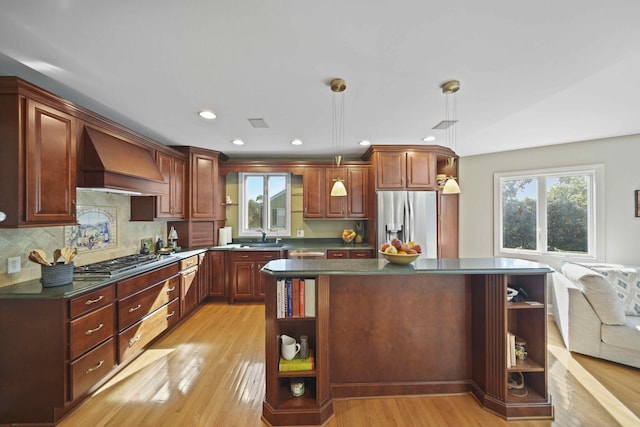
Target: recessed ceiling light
{"type": "Point", "coordinates": [237, 142]}
{"type": "Point", "coordinates": [364, 142]}
{"type": "Point", "coordinates": [207, 114]}
{"type": "Point", "coordinates": [429, 138]}
{"type": "Point", "coordinates": [296, 142]}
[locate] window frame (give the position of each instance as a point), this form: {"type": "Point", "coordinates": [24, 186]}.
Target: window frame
{"type": "Point", "coordinates": [266, 225]}
{"type": "Point", "coordinates": [596, 225]}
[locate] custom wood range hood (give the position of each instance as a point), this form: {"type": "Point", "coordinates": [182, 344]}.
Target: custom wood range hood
{"type": "Point", "coordinates": [111, 163]}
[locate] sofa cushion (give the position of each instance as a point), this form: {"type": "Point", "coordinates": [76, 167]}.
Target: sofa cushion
{"type": "Point", "coordinates": [598, 291]}
{"type": "Point", "coordinates": [626, 283]}
{"type": "Point", "coordinates": [627, 336]}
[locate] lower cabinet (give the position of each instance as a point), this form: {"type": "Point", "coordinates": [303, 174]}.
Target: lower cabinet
{"type": "Point", "coordinates": [245, 281]}
{"type": "Point", "coordinates": [349, 253]}
{"type": "Point", "coordinates": [217, 273]}
{"type": "Point", "coordinates": [133, 340]}
{"type": "Point", "coordinates": [57, 350]}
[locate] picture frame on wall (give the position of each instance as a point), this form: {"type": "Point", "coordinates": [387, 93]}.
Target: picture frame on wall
{"type": "Point", "coordinates": [637, 203]}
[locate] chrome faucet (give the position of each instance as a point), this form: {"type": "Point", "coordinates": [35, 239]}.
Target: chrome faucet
{"type": "Point", "coordinates": [264, 236]}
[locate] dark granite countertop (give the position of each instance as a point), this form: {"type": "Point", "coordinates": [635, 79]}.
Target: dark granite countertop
{"type": "Point", "coordinates": [313, 267]}
{"type": "Point", "coordinates": [34, 289]}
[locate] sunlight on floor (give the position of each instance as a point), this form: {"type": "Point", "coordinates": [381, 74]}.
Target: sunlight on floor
{"type": "Point", "coordinates": [147, 358]}
{"type": "Point", "coordinates": [608, 401]}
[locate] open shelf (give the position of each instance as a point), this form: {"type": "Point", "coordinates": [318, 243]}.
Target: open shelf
{"type": "Point", "coordinates": [287, 401]}
{"type": "Point", "coordinates": [527, 365]}
{"type": "Point", "coordinates": [296, 374]}
{"type": "Point", "coordinates": [523, 305]}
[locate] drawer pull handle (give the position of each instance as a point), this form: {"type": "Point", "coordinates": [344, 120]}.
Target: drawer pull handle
{"type": "Point", "coordinates": [98, 366]}
{"type": "Point", "coordinates": [171, 290]}
{"type": "Point", "coordinates": [337, 255]}
{"type": "Point", "coordinates": [360, 255]}
{"type": "Point", "coordinates": [171, 314]}
{"type": "Point", "coordinates": [93, 301]}
{"type": "Point", "coordinates": [244, 256]}
{"type": "Point", "coordinates": [268, 256]}
{"type": "Point", "coordinates": [137, 307]}
{"type": "Point", "coordinates": [90, 331]}
{"type": "Point", "coordinates": [134, 340]}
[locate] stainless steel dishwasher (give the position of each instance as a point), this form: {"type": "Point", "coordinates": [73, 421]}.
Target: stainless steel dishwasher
{"type": "Point", "coordinates": [307, 254]}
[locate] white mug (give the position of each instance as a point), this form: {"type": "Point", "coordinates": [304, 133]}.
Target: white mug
{"type": "Point", "coordinates": [289, 347]}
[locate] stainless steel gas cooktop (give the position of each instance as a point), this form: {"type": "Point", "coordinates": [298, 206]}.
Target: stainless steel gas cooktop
{"type": "Point", "coordinates": [114, 266]}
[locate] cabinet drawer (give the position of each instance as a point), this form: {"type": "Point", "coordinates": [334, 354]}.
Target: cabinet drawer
{"type": "Point", "coordinates": [133, 340]}
{"type": "Point", "coordinates": [91, 368]}
{"type": "Point", "coordinates": [135, 307]}
{"type": "Point", "coordinates": [135, 284]}
{"type": "Point", "coordinates": [337, 254]}
{"type": "Point", "coordinates": [189, 262]}
{"type": "Point", "coordinates": [361, 253]}
{"type": "Point", "coordinates": [91, 329]}
{"type": "Point", "coordinates": [255, 255]}
{"type": "Point", "coordinates": [91, 301]}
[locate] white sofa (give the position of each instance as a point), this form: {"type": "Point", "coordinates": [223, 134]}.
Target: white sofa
{"type": "Point", "coordinates": [597, 309]}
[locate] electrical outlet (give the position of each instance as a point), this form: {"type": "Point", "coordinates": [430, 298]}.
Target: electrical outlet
{"type": "Point", "coordinates": [13, 264]}
{"type": "Point", "coordinates": [300, 232]}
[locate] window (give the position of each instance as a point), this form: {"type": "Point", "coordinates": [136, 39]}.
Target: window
{"type": "Point", "coordinates": [549, 213]}
{"type": "Point", "coordinates": [265, 204]}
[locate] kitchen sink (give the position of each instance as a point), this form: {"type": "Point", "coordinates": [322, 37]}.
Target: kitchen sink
{"type": "Point", "coordinates": [262, 245]}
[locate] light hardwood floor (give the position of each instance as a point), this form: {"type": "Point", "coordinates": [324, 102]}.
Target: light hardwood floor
{"type": "Point", "coordinates": [210, 372]}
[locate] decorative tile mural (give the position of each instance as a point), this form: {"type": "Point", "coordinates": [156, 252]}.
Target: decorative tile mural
{"type": "Point", "coordinates": [96, 229]}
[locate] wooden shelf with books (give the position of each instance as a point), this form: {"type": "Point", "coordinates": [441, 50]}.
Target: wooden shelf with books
{"type": "Point", "coordinates": [297, 306]}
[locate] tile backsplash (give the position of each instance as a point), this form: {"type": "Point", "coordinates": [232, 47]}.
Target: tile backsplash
{"type": "Point", "coordinates": [20, 241]}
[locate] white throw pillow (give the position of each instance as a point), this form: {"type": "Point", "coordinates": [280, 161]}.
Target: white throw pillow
{"type": "Point", "coordinates": [600, 294]}
{"type": "Point", "coordinates": [625, 281]}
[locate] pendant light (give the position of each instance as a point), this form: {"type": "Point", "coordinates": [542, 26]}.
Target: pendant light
{"type": "Point", "coordinates": [337, 87]}
{"type": "Point", "coordinates": [449, 90]}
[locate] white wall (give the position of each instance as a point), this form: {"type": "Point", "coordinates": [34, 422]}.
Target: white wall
{"type": "Point", "coordinates": [621, 159]}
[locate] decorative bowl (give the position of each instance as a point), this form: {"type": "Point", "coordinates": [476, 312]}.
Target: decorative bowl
{"type": "Point", "coordinates": [401, 259]}
{"type": "Point", "coordinates": [349, 237]}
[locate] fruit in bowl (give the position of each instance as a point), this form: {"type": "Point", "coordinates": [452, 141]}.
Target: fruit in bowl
{"type": "Point", "coordinates": [397, 252]}
{"type": "Point", "coordinates": [348, 235]}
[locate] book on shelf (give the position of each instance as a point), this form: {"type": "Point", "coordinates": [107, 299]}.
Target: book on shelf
{"type": "Point", "coordinates": [310, 297]}
{"type": "Point", "coordinates": [511, 350]}
{"type": "Point", "coordinates": [297, 364]}
{"type": "Point", "coordinates": [295, 297]}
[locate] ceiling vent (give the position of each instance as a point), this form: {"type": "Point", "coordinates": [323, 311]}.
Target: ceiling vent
{"type": "Point", "coordinates": [258, 123]}
{"type": "Point", "coordinates": [445, 124]}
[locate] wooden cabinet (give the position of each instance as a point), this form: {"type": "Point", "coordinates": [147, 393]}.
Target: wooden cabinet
{"type": "Point", "coordinates": [405, 170]}
{"type": "Point", "coordinates": [318, 202]}
{"type": "Point", "coordinates": [148, 304]}
{"type": "Point", "coordinates": [313, 187]}
{"type": "Point", "coordinates": [526, 320]}
{"type": "Point", "coordinates": [217, 273]}
{"type": "Point", "coordinates": [170, 205]}
{"type": "Point", "coordinates": [408, 167]}
{"type": "Point", "coordinates": [314, 407]}
{"type": "Point", "coordinates": [447, 225]}
{"type": "Point", "coordinates": [350, 253]}
{"type": "Point", "coordinates": [189, 284]}
{"type": "Point", "coordinates": [204, 199]}
{"type": "Point", "coordinates": [245, 280]}
{"type": "Point", "coordinates": [91, 343]}
{"type": "Point", "coordinates": [203, 276]}
{"type": "Point", "coordinates": [36, 134]}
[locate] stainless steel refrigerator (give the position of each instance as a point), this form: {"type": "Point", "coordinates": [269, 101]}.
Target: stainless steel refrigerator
{"type": "Point", "coordinates": [408, 215]}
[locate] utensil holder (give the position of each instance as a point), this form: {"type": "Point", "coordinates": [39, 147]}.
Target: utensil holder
{"type": "Point", "coordinates": [56, 275]}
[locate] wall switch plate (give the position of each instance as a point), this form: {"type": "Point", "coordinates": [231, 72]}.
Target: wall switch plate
{"type": "Point", "coordinates": [13, 265]}
{"type": "Point", "coordinates": [300, 232]}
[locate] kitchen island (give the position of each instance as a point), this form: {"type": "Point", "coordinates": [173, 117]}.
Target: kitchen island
{"type": "Point", "coordinates": [436, 326]}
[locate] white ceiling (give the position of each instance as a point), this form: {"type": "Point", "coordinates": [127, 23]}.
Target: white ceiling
{"type": "Point", "coordinates": [532, 73]}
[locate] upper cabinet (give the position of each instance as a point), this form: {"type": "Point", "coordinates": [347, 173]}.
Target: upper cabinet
{"type": "Point", "coordinates": [170, 205]}
{"type": "Point", "coordinates": [205, 201]}
{"type": "Point", "coordinates": [318, 202]}
{"type": "Point", "coordinates": [38, 163]}
{"type": "Point", "coordinates": [408, 167]}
